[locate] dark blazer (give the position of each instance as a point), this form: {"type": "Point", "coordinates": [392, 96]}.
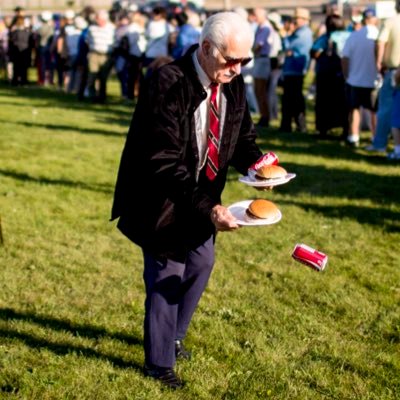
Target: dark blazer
{"type": "Point", "coordinates": [160, 205]}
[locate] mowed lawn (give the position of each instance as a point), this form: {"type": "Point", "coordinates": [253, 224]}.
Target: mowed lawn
{"type": "Point", "coordinates": [71, 289]}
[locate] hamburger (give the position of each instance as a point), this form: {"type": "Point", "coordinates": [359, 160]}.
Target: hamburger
{"type": "Point", "coordinates": [261, 209]}
{"type": "Point", "coordinates": [270, 173]}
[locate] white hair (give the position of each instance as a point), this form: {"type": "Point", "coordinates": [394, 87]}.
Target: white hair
{"type": "Point", "coordinates": [223, 25]}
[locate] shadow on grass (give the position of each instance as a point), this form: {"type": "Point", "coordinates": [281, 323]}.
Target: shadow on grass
{"type": "Point", "coordinates": [62, 348]}
{"type": "Point", "coordinates": [58, 127]}
{"type": "Point", "coordinates": [322, 183]}
{"type": "Point", "coordinates": [310, 144]}
{"type": "Point", "coordinates": [386, 219]}
{"type": "Point", "coordinates": [101, 188]}
{"type": "Point", "coordinates": [115, 111]}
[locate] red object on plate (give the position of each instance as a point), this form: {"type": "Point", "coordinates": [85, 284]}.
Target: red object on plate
{"type": "Point", "coordinates": [267, 159]}
{"type": "Point", "coordinates": [310, 257]}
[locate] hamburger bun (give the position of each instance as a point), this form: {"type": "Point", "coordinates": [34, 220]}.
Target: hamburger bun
{"type": "Point", "coordinates": [261, 209]}
{"type": "Point", "coordinates": [269, 172]}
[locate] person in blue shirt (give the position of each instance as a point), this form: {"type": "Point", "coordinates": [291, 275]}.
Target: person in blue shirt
{"type": "Point", "coordinates": [187, 35]}
{"type": "Point", "coordinates": [297, 48]}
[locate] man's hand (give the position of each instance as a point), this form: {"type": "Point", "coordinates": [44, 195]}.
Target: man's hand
{"type": "Point", "coordinates": [222, 218]}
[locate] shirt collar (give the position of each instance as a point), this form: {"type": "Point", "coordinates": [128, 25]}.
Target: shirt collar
{"type": "Point", "coordinates": [203, 78]}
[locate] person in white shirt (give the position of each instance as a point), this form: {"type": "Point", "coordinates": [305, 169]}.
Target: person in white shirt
{"type": "Point", "coordinates": [136, 43]}
{"type": "Point", "coordinates": [360, 72]}
{"type": "Point", "coordinates": [100, 41]}
{"type": "Point", "coordinates": [157, 35]}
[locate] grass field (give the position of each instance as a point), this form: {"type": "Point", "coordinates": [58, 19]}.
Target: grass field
{"type": "Point", "coordinates": [71, 290]}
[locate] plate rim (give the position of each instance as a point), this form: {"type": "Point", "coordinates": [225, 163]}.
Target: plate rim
{"type": "Point", "coordinates": [245, 203]}
{"type": "Point", "coordinates": [246, 179]}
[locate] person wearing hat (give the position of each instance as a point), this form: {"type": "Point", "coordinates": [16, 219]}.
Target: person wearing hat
{"type": "Point", "coordinates": [44, 35]}
{"type": "Point", "coordinates": [360, 72]}
{"type": "Point", "coordinates": [67, 49]}
{"type": "Point", "coordinates": [297, 48]}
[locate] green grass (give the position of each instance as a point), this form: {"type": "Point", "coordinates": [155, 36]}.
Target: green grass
{"type": "Point", "coordinates": [71, 290]}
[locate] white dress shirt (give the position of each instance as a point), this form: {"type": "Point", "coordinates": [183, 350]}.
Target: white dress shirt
{"type": "Point", "coordinates": [201, 115]}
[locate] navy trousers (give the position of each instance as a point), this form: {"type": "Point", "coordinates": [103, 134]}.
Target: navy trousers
{"type": "Point", "coordinates": [173, 290]}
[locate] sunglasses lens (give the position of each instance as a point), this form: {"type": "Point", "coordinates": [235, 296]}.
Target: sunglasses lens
{"type": "Point", "coordinates": [235, 61]}
{"type": "Point", "coordinates": [231, 63]}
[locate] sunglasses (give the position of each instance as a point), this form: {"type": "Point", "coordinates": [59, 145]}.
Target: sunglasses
{"type": "Point", "coordinates": [231, 61]}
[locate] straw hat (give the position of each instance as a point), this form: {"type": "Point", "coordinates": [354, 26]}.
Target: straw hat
{"type": "Point", "coordinates": [302, 13]}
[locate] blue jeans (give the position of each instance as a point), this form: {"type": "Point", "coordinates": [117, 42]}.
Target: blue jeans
{"type": "Point", "coordinates": [384, 114]}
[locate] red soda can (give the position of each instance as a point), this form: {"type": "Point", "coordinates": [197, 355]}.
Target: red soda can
{"type": "Point", "coordinates": [267, 159]}
{"type": "Point", "coordinates": [309, 256]}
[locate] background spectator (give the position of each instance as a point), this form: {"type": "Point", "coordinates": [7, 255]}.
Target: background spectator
{"type": "Point", "coordinates": [43, 38]}
{"type": "Point", "coordinates": [388, 60]}
{"type": "Point", "coordinates": [100, 40]}
{"type": "Point", "coordinates": [19, 50]}
{"type": "Point", "coordinates": [262, 64]}
{"type": "Point", "coordinates": [297, 48]}
{"type": "Point", "coordinates": [359, 69]}
{"type": "Point", "coordinates": [330, 83]}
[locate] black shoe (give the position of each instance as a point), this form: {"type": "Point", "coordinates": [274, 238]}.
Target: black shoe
{"type": "Point", "coordinates": [263, 122]}
{"type": "Point", "coordinates": [181, 352]}
{"type": "Point", "coordinates": [166, 376]}
{"type": "Point", "coordinates": [301, 125]}
{"type": "Point", "coordinates": [351, 143]}
{"type": "Point", "coordinates": [285, 128]}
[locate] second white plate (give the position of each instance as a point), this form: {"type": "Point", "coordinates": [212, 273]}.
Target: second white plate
{"type": "Point", "coordinates": [248, 180]}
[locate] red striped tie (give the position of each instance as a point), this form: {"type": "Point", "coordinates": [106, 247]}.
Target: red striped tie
{"type": "Point", "coordinates": [213, 135]}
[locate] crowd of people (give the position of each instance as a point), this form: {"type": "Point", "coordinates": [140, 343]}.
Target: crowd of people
{"type": "Point", "coordinates": [355, 64]}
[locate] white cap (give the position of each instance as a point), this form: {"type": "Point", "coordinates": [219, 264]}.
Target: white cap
{"type": "Point", "coordinates": [133, 7]}
{"type": "Point", "coordinates": [275, 18]}
{"type": "Point", "coordinates": [46, 16]}
{"type": "Point", "coordinates": [69, 14]}
{"type": "Point", "coordinates": [80, 22]}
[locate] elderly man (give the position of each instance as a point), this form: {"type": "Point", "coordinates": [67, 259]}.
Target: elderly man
{"type": "Point", "coordinates": [191, 122]}
{"type": "Point", "coordinates": [297, 48]}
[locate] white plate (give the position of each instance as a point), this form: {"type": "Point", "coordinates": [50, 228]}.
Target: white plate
{"type": "Point", "coordinates": [252, 181]}
{"type": "Point", "coordinates": [238, 210]}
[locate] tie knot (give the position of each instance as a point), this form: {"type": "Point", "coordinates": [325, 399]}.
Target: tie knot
{"type": "Point", "coordinates": [214, 87]}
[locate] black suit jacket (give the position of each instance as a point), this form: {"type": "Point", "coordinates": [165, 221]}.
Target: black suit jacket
{"type": "Point", "coordinates": [160, 205]}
